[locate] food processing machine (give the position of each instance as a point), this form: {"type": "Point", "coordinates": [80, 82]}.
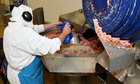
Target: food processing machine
{"type": "Point", "coordinates": [118, 18]}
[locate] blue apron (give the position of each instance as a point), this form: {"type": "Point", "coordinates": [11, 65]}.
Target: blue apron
{"type": "Point", "coordinates": [33, 73]}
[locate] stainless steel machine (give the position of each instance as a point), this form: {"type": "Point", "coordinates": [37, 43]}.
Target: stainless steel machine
{"type": "Point", "coordinates": [118, 18]}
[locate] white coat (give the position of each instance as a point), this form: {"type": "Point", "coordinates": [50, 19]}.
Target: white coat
{"type": "Point", "coordinates": [22, 43]}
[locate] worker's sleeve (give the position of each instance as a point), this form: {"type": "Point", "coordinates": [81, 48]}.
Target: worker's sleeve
{"type": "Point", "coordinates": [39, 28]}
{"type": "Point", "coordinates": [35, 44]}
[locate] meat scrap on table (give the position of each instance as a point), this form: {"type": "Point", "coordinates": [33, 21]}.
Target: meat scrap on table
{"type": "Point", "coordinates": [83, 48]}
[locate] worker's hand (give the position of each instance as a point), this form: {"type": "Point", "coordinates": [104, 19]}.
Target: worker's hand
{"type": "Point", "coordinates": [66, 29]}
{"type": "Point", "coordinates": [65, 32]}
{"type": "Point", "coordinates": [52, 25]}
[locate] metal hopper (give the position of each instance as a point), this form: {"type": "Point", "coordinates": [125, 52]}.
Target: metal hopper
{"type": "Point", "coordinates": [112, 18]}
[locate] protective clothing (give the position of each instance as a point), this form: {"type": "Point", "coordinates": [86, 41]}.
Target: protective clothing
{"type": "Point", "coordinates": [22, 43]}
{"type": "Point", "coordinates": [33, 73]}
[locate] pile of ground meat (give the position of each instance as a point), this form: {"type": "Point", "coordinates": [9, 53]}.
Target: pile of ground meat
{"type": "Point", "coordinates": [84, 48]}
{"type": "Point", "coordinates": [114, 41]}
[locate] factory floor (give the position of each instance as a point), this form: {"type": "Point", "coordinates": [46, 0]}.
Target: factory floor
{"type": "Point", "coordinates": [49, 78]}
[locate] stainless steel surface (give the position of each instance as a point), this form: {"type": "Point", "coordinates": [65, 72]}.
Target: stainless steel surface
{"type": "Point", "coordinates": [119, 58]}
{"type": "Point", "coordinates": [132, 70]}
{"type": "Point", "coordinates": [72, 64]}
{"type": "Point", "coordinates": [77, 18]}
{"type": "Point", "coordinates": [59, 63]}
{"type": "Point", "coordinates": [137, 51]}
{"type": "Point", "coordinates": [75, 39]}
{"type": "Point", "coordinates": [112, 59]}
{"type": "Point", "coordinates": [133, 80]}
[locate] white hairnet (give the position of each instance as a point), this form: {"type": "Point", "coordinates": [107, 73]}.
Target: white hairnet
{"type": "Point", "coordinates": [17, 15]}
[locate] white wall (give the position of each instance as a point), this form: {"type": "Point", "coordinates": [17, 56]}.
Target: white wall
{"type": "Point", "coordinates": [54, 8]}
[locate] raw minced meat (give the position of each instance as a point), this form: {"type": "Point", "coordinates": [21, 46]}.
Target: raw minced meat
{"type": "Point", "coordinates": [83, 48]}
{"type": "Point", "coordinates": [114, 41]}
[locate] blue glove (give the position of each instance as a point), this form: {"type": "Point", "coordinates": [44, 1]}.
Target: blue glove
{"type": "Point", "coordinates": [69, 36]}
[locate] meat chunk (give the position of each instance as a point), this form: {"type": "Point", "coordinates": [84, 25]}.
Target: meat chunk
{"type": "Point", "coordinates": [83, 48]}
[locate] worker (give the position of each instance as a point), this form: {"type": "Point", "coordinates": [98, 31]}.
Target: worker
{"type": "Point", "coordinates": [24, 46]}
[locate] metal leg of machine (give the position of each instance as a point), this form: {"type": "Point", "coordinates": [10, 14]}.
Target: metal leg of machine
{"type": "Point", "coordinates": [101, 76]}
{"type": "Point", "coordinates": [105, 76]}
{"type": "Point", "coordinates": [132, 70]}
